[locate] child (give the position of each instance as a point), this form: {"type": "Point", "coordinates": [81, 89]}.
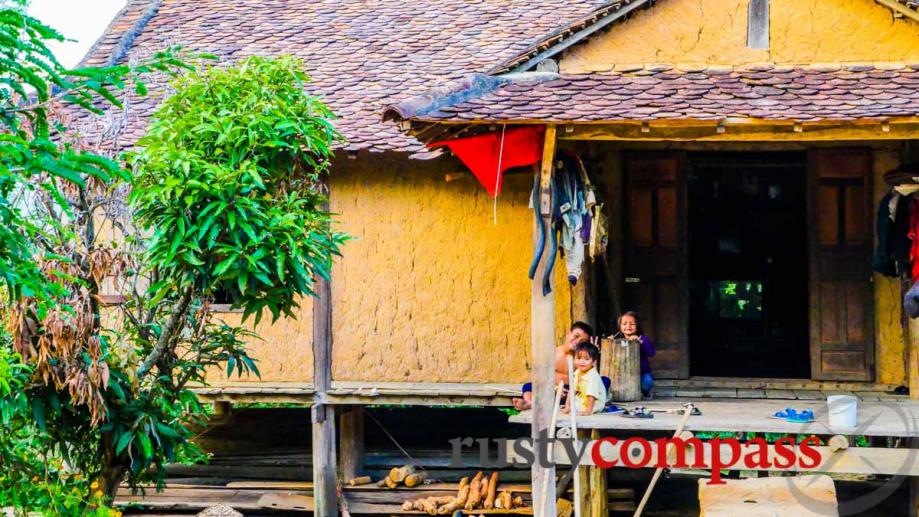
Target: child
{"type": "Point", "coordinates": [589, 390]}
{"type": "Point", "coordinates": [630, 328]}
{"type": "Point", "coordinates": [579, 332]}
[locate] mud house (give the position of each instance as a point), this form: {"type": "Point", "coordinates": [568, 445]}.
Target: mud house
{"type": "Point", "coordinates": [739, 147]}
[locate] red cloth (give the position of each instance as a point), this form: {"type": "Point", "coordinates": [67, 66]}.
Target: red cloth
{"type": "Point", "coordinates": [522, 147]}
{"type": "Point", "coordinates": [914, 236]}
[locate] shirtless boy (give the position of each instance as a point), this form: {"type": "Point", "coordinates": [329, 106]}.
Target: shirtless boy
{"type": "Point", "coordinates": [579, 332]}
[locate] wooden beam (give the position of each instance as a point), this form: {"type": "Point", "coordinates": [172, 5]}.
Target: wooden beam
{"type": "Point", "coordinates": [323, 415]}
{"type": "Point", "coordinates": [542, 335]}
{"type": "Point", "coordinates": [742, 132]}
{"type": "Point", "coordinates": [900, 8]}
{"type": "Point", "coordinates": [351, 458]}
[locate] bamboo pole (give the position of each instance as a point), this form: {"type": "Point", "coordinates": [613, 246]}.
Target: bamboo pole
{"type": "Point", "coordinates": [573, 411]}
{"type": "Point", "coordinates": [551, 446]}
{"type": "Point", "coordinates": [687, 411]}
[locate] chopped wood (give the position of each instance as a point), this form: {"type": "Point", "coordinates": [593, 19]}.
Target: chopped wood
{"type": "Point", "coordinates": [517, 502]}
{"type": "Point", "coordinates": [413, 480]}
{"type": "Point", "coordinates": [461, 495]}
{"type": "Point", "coordinates": [408, 506]}
{"type": "Point", "coordinates": [362, 480]}
{"type": "Point", "coordinates": [475, 491]}
{"type": "Point", "coordinates": [398, 474]}
{"type": "Point", "coordinates": [504, 500]}
{"type": "Point", "coordinates": [390, 483]}
{"type": "Point", "coordinates": [490, 492]}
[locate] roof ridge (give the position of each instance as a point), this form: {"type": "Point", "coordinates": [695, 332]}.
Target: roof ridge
{"type": "Point", "coordinates": [136, 14]}
{"type": "Point", "coordinates": [579, 29]}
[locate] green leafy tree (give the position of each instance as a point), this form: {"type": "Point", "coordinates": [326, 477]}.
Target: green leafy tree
{"type": "Point", "coordinates": [225, 196]}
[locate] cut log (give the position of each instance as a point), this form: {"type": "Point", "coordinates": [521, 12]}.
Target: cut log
{"type": "Point", "coordinates": [475, 491]}
{"type": "Point", "coordinates": [490, 492]}
{"type": "Point", "coordinates": [504, 500]}
{"type": "Point", "coordinates": [398, 474]}
{"type": "Point", "coordinates": [621, 360]}
{"type": "Point", "coordinates": [390, 484]}
{"type": "Point", "coordinates": [413, 480]}
{"type": "Point", "coordinates": [358, 481]}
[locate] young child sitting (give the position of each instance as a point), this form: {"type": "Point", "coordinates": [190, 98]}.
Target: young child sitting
{"type": "Point", "coordinates": [578, 332]}
{"type": "Point", "coordinates": [589, 390]}
{"type": "Point", "coordinates": [630, 328]}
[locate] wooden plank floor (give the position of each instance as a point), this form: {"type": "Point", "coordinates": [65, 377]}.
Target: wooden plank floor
{"type": "Point", "coordinates": [697, 392]}
{"type": "Point", "coordinates": [754, 415]}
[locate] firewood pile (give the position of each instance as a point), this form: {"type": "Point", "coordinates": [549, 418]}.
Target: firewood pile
{"type": "Point", "coordinates": [480, 493]}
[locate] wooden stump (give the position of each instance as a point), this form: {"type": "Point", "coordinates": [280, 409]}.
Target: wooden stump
{"type": "Point", "coordinates": [619, 360]}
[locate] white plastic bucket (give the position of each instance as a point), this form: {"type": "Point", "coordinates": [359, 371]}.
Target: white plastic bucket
{"type": "Point", "coordinates": [843, 410]}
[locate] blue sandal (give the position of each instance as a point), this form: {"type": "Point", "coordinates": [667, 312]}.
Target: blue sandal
{"type": "Point", "coordinates": [790, 415]}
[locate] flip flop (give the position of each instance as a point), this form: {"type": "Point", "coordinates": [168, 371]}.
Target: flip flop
{"type": "Point", "coordinates": [793, 416]}
{"type": "Point", "coordinates": [613, 408]}
{"type": "Point", "coordinates": [638, 412]}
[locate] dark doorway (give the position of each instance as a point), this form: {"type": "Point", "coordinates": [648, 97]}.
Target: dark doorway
{"type": "Point", "coordinates": [748, 313]}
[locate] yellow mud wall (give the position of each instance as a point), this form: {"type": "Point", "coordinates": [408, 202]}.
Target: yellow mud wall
{"type": "Point", "coordinates": [889, 335]}
{"type": "Point", "coordinates": [431, 289]}
{"type": "Point", "coordinates": [428, 290]}
{"type": "Point", "coordinates": [714, 32]}
{"type": "Point", "coordinates": [283, 352]}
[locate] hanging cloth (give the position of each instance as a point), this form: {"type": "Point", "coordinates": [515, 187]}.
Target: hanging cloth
{"type": "Point", "coordinates": [914, 237]}
{"type": "Point", "coordinates": [483, 153]}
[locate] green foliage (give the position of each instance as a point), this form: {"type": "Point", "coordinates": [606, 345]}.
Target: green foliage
{"type": "Point", "coordinates": [33, 86]}
{"type": "Point", "coordinates": [227, 184]}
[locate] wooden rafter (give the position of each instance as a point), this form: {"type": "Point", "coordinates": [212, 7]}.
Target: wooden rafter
{"type": "Point", "coordinates": [900, 8]}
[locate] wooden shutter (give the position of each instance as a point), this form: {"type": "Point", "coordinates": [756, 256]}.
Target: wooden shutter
{"type": "Point", "coordinates": [840, 236]}
{"type": "Point", "coordinates": [656, 272]}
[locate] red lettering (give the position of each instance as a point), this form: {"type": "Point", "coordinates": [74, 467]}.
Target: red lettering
{"type": "Point", "coordinates": [717, 463]}
{"type": "Point", "coordinates": [679, 449]}
{"type": "Point", "coordinates": [625, 453]}
{"type": "Point", "coordinates": [784, 448]}
{"type": "Point", "coordinates": [598, 458]}
{"type": "Point", "coordinates": [758, 458]}
{"type": "Point", "coordinates": [808, 450]}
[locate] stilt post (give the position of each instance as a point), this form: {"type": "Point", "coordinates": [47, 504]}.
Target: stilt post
{"type": "Point", "coordinates": [542, 319]}
{"type": "Point", "coordinates": [351, 456]}
{"type": "Point", "coordinates": [323, 415]}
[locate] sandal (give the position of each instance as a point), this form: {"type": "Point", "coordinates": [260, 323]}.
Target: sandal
{"type": "Point", "coordinates": [638, 412]}
{"type": "Point", "coordinates": [790, 415]}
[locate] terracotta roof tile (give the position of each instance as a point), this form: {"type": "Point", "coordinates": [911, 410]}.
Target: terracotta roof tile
{"type": "Point", "coordinates": [362, 55]}
{"type": "Point", "coordinates": [796, 94]}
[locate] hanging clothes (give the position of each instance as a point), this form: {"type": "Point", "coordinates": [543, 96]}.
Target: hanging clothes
{"type": "Point", "coordinates": [893, 225]}
{"type": "Point", "coordinates": [573, 211]}
{"type": "Point", "coordinates": [522, 146]}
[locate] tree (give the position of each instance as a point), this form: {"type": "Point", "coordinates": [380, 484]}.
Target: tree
{"type": "Point", "coordinates": [224, 197]}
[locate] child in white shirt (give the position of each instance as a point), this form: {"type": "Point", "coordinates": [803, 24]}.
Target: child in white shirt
{"type": "Point", "coordinates": [588, 388]}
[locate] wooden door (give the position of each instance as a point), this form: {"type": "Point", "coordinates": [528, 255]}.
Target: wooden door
{"type": "Point", "coordinates": [841, 298]}
{"type": "Point", "coordinates": [655, 269]}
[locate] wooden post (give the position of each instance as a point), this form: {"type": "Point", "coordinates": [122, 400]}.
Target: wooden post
{"type": "Point", "coordinates": [597, 483]}
{"type": "Point", "coordinates": [323, 416]}
{"type": "Point", "coordinates": [542, 335]}
{"type": "Point", "coordinates": [351, 458]}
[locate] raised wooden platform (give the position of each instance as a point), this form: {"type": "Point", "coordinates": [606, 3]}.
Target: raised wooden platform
{"type": "Point", "coordinates": [894, 418]}
{"type": "Point", "coordinates": [500, 394]}
{"type": "Point", "coordinates": [367, 393]}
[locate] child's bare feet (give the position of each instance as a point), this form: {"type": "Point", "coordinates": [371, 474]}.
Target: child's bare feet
{"type": "Point", "coordinates": [520, 404]}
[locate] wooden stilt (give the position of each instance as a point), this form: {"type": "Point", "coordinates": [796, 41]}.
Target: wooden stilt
{"type": "Point", "coordinates": [351, 457]}
{"type": "Point", "coordinates": [542, 320]}
{"type": "Point", "coordinates": [323, 415]}
{"type": "Point", "coordinates": [597, 483]}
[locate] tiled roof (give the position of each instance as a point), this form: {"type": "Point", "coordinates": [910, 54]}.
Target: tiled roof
{"type": "Point", "coordinates": [763, 92]}
{"type": "Point", "coordinates": [362, 55]}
